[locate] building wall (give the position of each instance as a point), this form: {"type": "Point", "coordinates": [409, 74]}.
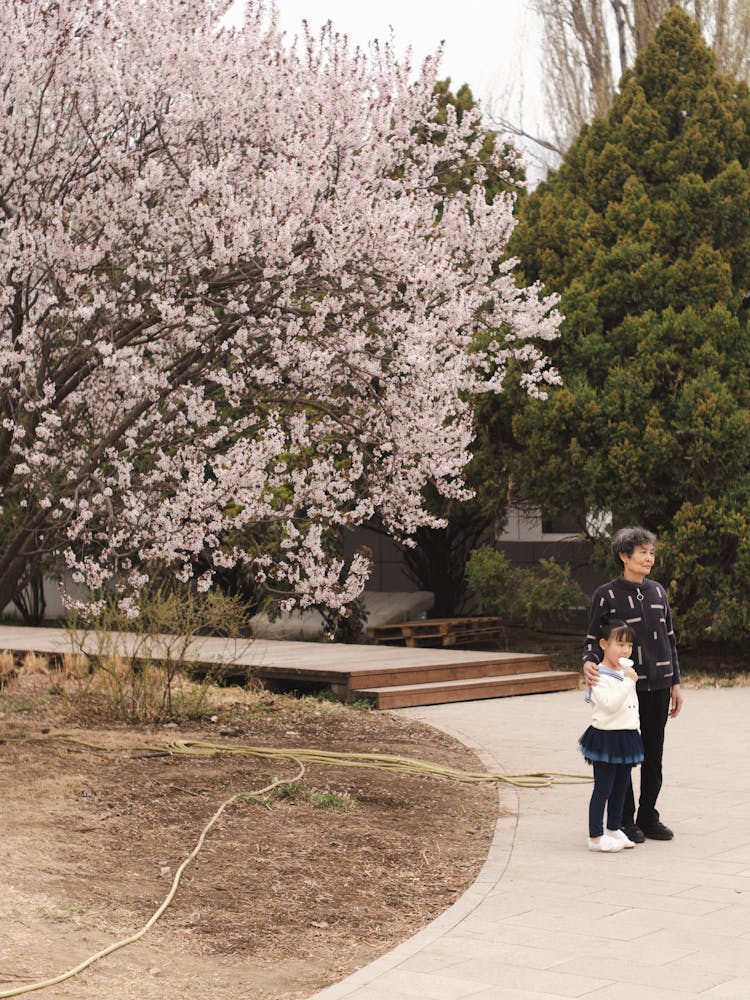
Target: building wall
{"type": "Point", "coordinates": [54, 604]}
{"type": "Point", "coordinates": [525, 542]}
{"type": "Point", "coordinates": [389, 572]}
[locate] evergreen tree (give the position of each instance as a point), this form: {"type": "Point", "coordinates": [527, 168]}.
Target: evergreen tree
{"type": "Point", "coordinates": [645, 232]}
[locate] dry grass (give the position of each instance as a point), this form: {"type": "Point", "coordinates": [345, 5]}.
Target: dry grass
{"type": "Point", "coordinates": [8, 671]}
{"type": "Point", "coordinates": [74, 667]}
{"type": "Point", "coordinates": [128, 690]}
{"type": "Point", "coordinates": [116, 687]}
{"type": "Point", "coordinates": [34, 664]}
{"type": "Point", "coordinates": [708, 679]}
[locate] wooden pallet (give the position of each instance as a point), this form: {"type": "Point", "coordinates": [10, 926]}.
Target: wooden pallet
{"type": "Point", "coordinates": [447, 631]}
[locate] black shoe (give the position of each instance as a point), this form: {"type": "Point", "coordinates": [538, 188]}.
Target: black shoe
{"type": "Point", "coordinates": [633, 832]}
{"type": "Point", "coordinates": [657, 831]}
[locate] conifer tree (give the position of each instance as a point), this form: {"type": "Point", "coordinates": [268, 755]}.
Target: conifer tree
{"type": "Point", "coordinates": [645, 232]}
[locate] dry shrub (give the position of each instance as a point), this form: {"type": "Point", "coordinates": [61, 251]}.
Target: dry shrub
{"type": "Point", "coordinates": [135, 691]}
{"type": "Point", "coordinates": [130, 690]}
{"type": "Point", "coordinates": [138, 670]}
{"type": "Point", "coordinates": [8, 672]}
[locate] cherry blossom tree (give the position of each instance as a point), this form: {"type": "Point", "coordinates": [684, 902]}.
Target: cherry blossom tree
{"type": "Point", "coordinates": [239, 311]}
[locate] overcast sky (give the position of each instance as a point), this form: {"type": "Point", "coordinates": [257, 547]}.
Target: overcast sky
{"type": "Point", "coordinates": [493, 45]}
{"type": "Point", "coordinates": [483, 41]}
{"type": "Point", "coordinates": [489, 44]}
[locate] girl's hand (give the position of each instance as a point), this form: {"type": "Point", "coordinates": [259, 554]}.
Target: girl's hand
{"type": "Point", "coordinates": [631, 674]}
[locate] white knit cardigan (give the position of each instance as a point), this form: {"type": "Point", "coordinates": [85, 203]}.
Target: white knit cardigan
{"type": "Point", "coordinates": [614, 704]}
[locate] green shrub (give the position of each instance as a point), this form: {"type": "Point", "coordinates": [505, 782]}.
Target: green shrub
{"type": "Point", "coordinates": [522, 596]}
{"type": "Point", "coordinates": [335, 801]}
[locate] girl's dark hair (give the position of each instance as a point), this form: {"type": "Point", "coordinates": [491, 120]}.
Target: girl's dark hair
{"type": "Point", "coordinates": [615, 628]}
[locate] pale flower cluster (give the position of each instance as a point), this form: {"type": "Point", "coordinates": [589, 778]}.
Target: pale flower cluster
{"type": "Point", "coordinates": [231, 310]}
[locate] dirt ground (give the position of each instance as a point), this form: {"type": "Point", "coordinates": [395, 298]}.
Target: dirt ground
{"type": "Point", "coordinates": [286, 896]}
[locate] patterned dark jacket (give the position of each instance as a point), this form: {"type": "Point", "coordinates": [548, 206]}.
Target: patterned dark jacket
{"type": "Point", "coordinates": [643, 606]}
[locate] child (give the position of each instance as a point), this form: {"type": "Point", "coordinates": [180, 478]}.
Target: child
{"type": "Point", "coordinates": [612, 742]}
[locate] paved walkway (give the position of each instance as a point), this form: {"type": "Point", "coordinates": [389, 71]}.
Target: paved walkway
{"type": "Point", "coordinates": [548, 919]}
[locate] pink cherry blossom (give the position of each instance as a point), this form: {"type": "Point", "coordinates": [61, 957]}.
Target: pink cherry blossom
{"type": "Point", "coordinates": [231, 312]}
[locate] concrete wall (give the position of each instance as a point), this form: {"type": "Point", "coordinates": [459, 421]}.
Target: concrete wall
{"type": "Point", "coordinates": [389, 573]}
{"type": "Point", "coordinates": [522, 539]}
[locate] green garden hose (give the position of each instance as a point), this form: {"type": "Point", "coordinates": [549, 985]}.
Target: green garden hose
{"type": "Point", "coordinates": [389, 762]}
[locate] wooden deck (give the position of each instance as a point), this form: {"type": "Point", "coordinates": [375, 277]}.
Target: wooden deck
{"type": "Point", "coordinates": [392, 677]}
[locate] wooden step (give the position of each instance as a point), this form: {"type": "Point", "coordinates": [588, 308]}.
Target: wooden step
{"type": "Point", "coordinates": [471, 689]}
{"type": "Point", "coordinates": [494, 666]}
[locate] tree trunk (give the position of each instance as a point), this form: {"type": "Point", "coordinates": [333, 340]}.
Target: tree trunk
{"type": "Point", "coordinates": [30, 599]}
{"type": "Point", "coordinates": [646, 17]}
{"type": "Point", "coordinates": [11, 580]}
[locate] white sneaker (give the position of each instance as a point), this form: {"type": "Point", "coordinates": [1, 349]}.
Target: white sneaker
{"type": "Point", "coordinates": [620, 835]}
{"type": "Point", "coordinates": [606, 843]}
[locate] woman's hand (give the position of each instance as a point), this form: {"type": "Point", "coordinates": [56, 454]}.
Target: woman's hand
{"type": "Point", "coordinates": [675, 702]}
{"type": "Point", "coordinates": [591, 672]}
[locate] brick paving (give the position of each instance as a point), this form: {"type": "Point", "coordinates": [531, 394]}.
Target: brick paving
{"type": "Point", "coordinates": [548, 919]}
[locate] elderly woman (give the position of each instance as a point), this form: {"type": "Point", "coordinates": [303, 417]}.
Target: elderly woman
{"type": "Point", "coordinates": [642, 604]}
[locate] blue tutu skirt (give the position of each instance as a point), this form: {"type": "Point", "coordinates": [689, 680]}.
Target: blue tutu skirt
{"type": "Point", "coordinates": [611, 746]}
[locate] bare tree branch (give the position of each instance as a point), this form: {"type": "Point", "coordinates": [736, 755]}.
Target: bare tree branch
{"type": "Point", "coordinates": [588, 44]}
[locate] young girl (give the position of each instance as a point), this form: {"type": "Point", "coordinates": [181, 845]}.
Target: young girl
{"type": "Point", "coordinates": [612, 742]}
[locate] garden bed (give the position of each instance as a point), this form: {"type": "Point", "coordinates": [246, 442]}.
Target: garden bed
{"type": "Point", "coordinates": [285, 897]}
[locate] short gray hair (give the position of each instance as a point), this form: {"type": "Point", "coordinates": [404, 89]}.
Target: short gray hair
{"type": "Point", "coordinates": [627, 540]}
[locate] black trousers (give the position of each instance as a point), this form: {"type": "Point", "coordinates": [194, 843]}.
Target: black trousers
{"type": "Point", "coordinates": [654, 710]}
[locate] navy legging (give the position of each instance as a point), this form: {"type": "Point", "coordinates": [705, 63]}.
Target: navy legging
{"type": "Point", "coordinates": [611, 782]}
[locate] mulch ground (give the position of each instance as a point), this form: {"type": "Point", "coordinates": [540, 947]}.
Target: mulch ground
{"type": "Point", "coordinates": [288, 895]}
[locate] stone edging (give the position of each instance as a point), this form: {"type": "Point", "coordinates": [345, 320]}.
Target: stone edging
{"type": "Point", "coordinates": [489, 876]}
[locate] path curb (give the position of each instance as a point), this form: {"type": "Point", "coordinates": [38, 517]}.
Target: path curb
{"type": "Point", "coordinates": [498, 856]}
